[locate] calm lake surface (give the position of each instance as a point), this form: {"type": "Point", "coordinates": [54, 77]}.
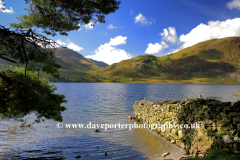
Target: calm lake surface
{"type": "Point", "coordinates": [100, 103]}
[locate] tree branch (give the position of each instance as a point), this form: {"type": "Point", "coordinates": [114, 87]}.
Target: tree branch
{"type": "Point", "coordinates": [7, 59]}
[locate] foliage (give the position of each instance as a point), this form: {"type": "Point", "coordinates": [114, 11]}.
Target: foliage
{"type": "Point", "coordinates": [22, 92]}
{"type": "Point", "coordinates": [28, 49]}
{"type": "Point", "coordinates": [65, 15]}
{"type": "Point", "coordinates": [29, 94]}
{"type": "Point", "coordinates": [218, 155]}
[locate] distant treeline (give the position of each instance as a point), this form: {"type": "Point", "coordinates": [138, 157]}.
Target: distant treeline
{"type": "Point", "coordinates": [79, 80]}
{"type": "Point", "coordinates": [62, 79]}
{"type": "Point", "coordinates": [82, 80]}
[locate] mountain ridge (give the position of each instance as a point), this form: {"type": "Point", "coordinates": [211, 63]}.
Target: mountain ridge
{"type": "Point", "coordinates": [205, 62]}
{"type": "Point", "coordinates": [215, 61]}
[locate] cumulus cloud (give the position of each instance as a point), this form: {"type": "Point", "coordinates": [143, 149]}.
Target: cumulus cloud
{"type": "Point", "coordinates": [131, 11]}
{"type": "Point", "coordinates": [169, 35]}
{"type": "Point", "coordinates": [4, 9]}
{"type": "Point", "coordinates": [119, 40]}
{"type": "Point", "coordinates": [213, 30]}
{"type": "Point", "coordinates": [202, 32]}
{"type": "Point", "coordinates": [111, 26]}
{"type": "Point", "coordinates": [109, 54]}
{"type": "Point", "coordinates": [143, 20]}
{"type": "Point", "coordinates": [61, 43]}
{"type": "Point", "coordinates": [234, 4]}
{"type": "Point", "coordinates": [156, 48]}
{"type": "Point", "coordinates": [88, 26]}
{"type": "Point", "coordinates": [70, 45]}
{"type": "Point", "coordinates": [74, 47]}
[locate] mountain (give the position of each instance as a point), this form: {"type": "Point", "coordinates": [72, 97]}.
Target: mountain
{"type": "Point", "coordinates": [98, 63]}
{"type": "Point", "coordinates": [215, 61]}
{"type": "Point", "coordinates": [70, 59]}
{"type": "Point", "coordinates": [212, 61]}
{"type": "Point", "coordinates": [75, 67]}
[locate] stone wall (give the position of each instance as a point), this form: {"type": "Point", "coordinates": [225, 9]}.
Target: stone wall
{"type": "Point", "coordinates": [219, 123]}
{"type": "Point", "coordinates": [235, 76]}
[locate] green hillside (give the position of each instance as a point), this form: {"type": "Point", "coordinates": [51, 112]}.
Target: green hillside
{"type": "Point", "coordinates": [212, 61]}
{"type": "Point", "coordinates": [74, 67]}
{"type": "Point", "coordinates": [215, 61]}
{"type": "Point", "coordinates": [98, 63]}
{"type": "Point", "coordinates": [70, 59]}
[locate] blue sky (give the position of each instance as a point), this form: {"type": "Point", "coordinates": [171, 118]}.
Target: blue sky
{"type": "Point", "coordinates": [141, 27]}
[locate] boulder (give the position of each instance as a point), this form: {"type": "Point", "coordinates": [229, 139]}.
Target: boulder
{"type": "Point", "coordinates": [227, 139]}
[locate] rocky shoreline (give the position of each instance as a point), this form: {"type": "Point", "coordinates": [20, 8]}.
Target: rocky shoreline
{"type": "Point", "coordinates": [174, 152]}
{"type": "Point", "coordinates": [217, 124]}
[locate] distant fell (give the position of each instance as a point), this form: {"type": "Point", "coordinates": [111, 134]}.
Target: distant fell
{"type": "Point", "coordinates": [215, 61]}
{"type": "Point", "coordinates": [74, 67]}
{"type": "Point", "coordinates": [68, 59]}
{"type": "Point", "coordinates": [98, 63]}
{"type": "Point", "coordinates": [212, 61]}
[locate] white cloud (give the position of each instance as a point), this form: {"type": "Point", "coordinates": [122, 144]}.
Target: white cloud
{"type": "Point", "coordinates": [234, 4]}
{"type": "Point", "coordinates": [74, 47]}
{"type": "Point", "coordinates": [88, 26]}
{"type": "Point", "coordinates": [156, 48]}
{"type": "Point", "coordinates": [70, 45]}
{"type": "Point", "coordinates": [169, 35]}
{"type": "Point", "coordinates": [61, 43]}
{"type": "Point", "coordinates": [109, 54]}
{"type": "Point", "coordinates": [214, 29]}
{"type": "Point", "coordinates": [203, 32]}
{"type": "Point", "coordinates": [143, 20]}
{"type": "Point", "coordinates": [119, 40]}
{"type": "Point", "coordinates": [79, 28]}
{"type": "Point", "coordinates": [4, 9]}
{"type": "Point", "coordinates": [131, 11]}
{"type": "Point", "coordinates": [111, 26]}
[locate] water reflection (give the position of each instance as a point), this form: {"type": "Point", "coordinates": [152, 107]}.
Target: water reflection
{"type": "Point", "coordinates": [70, 147]}
{"type": "Point", "coordinates": [100, 103]}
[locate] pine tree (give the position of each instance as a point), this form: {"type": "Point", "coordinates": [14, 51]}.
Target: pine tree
{"type": "Point", "coordinates": [22, 91]}
{"type": "Point", "coordinates": [65, 15]}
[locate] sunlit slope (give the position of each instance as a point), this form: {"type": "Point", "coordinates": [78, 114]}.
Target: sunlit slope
{"type": "Point", "coordinates": [213, 61]}
{"type": "Point", "coordinates": [98, 63]}
{"type": "Point", "coordinates": [75, 67]}
{"type": "Point", "coordinates": [210, 61]}
{"type": "Point", "coordinates": [70, 59]}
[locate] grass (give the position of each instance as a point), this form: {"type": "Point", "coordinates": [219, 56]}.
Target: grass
{"type": "Point", "coordinates": [236, 94]}
{"type": "Point", "coordinates": [218, 155]}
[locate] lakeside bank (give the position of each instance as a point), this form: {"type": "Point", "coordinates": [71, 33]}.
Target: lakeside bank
{"type": "Point", "coordinates": [219, 123]}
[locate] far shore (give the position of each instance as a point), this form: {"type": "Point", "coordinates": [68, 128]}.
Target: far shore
{"type": "Point", "coordinates": [236, 94]}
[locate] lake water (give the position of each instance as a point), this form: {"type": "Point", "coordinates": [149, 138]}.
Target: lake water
{"type": "Point", "coordinates": [100, 103]}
